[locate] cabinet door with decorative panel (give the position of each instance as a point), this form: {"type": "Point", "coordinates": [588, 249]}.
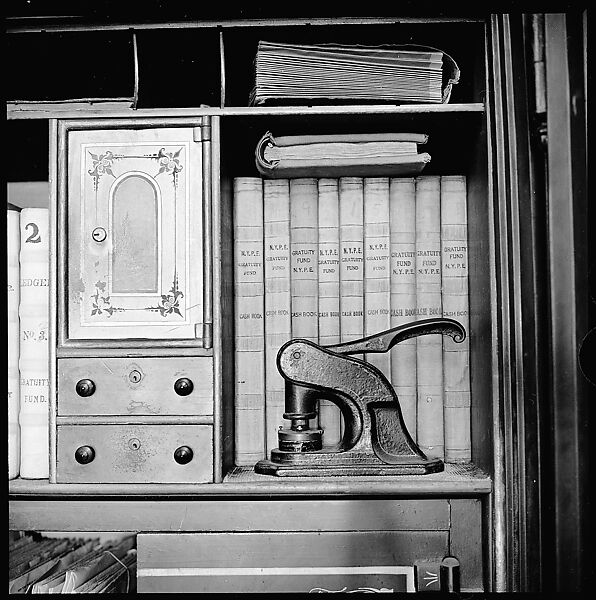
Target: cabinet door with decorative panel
{"type": "Point", "coordinates": [135, 234]}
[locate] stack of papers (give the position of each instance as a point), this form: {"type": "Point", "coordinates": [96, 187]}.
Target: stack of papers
{"type": "Point", "coordinates": [291, 72]}
{"type": "Point", "coordinates": [41, 565]}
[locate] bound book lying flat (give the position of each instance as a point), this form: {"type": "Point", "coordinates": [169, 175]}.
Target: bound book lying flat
{"type": "Point", "coordinates": [356, 155]}
{"type": "Point", "coordinates": [319, 73]}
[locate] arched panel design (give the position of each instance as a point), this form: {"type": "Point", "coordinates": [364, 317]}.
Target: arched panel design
{"type": "Point", "coordinates": [135, 224]}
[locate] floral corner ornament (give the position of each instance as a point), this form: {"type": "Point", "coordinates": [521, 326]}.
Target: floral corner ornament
{"type": "Point", "coordinates": [101, 302]}
{"type": "Point", "coordinates": [102, 164]}
{"type": "Point", "coordinates": [170, 303]}
{"type": "Point", "coordinates": [169, 162]}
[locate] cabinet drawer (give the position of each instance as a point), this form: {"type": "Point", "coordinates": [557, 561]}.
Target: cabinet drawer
{"type": "Point", "coordinates": [134, 453]}
{"type": "Point", "coordinates": [135, 386]}
{"type": "Point", "coordinates": [284, 562]}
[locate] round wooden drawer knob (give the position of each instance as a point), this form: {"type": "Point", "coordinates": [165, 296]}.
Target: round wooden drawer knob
{"type": "Point", "coordinates": [85, 388]}
{"type": "Point", "coordinates": [183, 455]}
{"type": "Point", "coordinates": [183, 386]}
{"type": "Point", "coordinates": [84, 455]}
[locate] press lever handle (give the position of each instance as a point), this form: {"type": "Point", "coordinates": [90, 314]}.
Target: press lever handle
{"type": "Point", "coordinates": [384, 341]}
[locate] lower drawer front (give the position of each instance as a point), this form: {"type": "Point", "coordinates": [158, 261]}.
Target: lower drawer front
{"type": "Point", "coordinates": [330, 561]}
{"type": "Point", "coordinates": [134, 453]}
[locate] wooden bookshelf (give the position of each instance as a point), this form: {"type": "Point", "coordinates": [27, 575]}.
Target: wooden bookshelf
{"type": "Point", "coordinates": [480, 512]}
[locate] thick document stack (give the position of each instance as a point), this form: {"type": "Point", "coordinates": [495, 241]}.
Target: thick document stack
{"type": "Point", "coordinates": [341, 155]}
{"type": "Point", "coordinates": [286, 73]}
{"type": "Point", "coordinates": [42, 565]}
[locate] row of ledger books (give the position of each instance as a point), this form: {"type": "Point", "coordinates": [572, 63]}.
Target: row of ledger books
{"type": "Point", "coordinates": [354, 73]}
{"type": "Point", "coordinates": [44, 565]}
{"type": "Point", "coordinates": [334, 260]}
{"type": "Point", "coordinates": [28, 347]}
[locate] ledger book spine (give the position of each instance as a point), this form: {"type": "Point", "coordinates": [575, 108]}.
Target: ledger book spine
{"type": "Point", "coordinates": [329, 325]}
{"type": "Point", "coordinates": [276, 214]}
{"type": "Point", "coordinates": [403, 294]}
{"type": "Point", "coordinates": [456, 363]}
{"type": "Point", "coordinates": [249, 415]}
{"type": "Point", "coordinates": [13, 237]}
{"type": "Point", "coordinates": [34, 345]}
{"type": "Point", "coordinates": [429, 348]}
{"type": "Point", "coordinates": [351, 261]}
{"type": "Point", "coordinates": [377, 280]}
{"type": "Point", "coordinates": [304, 274]}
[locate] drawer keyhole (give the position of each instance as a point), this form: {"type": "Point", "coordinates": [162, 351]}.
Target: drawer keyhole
{"type": "Point", "coordinates": [134, 444]}
{"type": "Point", "coordinates": [135, 376]}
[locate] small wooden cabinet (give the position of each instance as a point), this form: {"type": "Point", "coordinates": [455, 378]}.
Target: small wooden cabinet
{"type": "Point", "coordinates": [132, 243]}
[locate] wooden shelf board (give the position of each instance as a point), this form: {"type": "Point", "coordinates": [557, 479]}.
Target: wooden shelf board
{"type": "Point", "coordinates": [455, 481]}
{"type": "Point", "coordinates": [64, 111]}
{"type": "Point", "coordinates": [62, 24]}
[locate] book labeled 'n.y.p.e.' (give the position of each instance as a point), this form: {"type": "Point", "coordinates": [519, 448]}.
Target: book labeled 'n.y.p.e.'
{"type": "Point", "coordinates": [278, 306]}
{"type": "Point", "coordinates": [402, 193]}
{"type": "Point", "coordinates": [249, 400]}
{"type": "Point", "coordinates": [351, 261]}
{"type": "Point", "coordinates": [377, 280]}
{"type": "Point", "coordinates": [329, 321]}
{"type": "Point", "coordinates": [456, 356]}
{"type": "Point", "coordinates": [429, 348]}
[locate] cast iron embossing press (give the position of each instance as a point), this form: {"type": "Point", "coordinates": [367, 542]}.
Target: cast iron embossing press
{"type": "Point", "coordinates": [375, 439]}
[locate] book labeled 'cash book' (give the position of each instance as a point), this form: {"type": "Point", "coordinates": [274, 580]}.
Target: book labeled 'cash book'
{"type": "Point", "coordinates": [351, 262]}
{"type": "Point", "coordinates": [402, 193]}
{"type": "Point", "coordinates": [278, 318]}
{"type": "Point", "coordinates": [329, 321]}
{"type": "Point", "coordinates": [377, 281]}
{"type": "Point", "coordinates": [341, 155]}
{"type": "Point", "coordinates": [429, 348]}
{"type": "Point", "coordinates": [249, 321]}
{"type": "Point", "coordinates": [454, 270]}
{"type": "Point", "coordinates": [304, 263]}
